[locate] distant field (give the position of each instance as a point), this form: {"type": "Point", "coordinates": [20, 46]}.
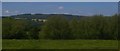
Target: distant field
{"type": "Point", "coordinates": [60, 44]}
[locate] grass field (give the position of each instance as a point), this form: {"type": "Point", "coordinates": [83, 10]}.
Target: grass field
{"type": "Point", "coordinates": [60, 44]}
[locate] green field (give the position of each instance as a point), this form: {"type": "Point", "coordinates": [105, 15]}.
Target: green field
{"type": "Point", "coordinates": [60, 44]}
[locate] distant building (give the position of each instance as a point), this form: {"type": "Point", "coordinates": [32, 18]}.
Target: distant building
{"type": "Point", "coordinates": [44, 20]}
{"type": "Point", "coordinates": [20, 18]}
{"type": "Point", "coordinates": [34, 19]}
{"type": "Point", "coordinates": [39, 20]}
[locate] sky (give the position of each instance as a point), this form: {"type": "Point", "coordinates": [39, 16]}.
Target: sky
{"type": "Point", "coordinates": [0, 9]}
{"type": "Point", "coordinates": [74, 8]}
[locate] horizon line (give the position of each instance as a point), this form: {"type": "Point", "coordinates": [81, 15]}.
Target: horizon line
{"type": "Point", "coordinates": [56, 14]}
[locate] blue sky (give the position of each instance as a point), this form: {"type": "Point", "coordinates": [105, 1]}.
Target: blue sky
{"type": "Point", "coordinates": [0, 9]}
{"type": "Point", "coordinates": [75, 8]}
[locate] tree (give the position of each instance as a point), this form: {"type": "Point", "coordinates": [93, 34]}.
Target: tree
{"type": "Point", "coordinates": [18, 29]}
{"type": "Point", "coordinates": [56, 27]}
{"type": "Point", "coordinates": [6, 27]}
{"type": "Point", "coordinates": [75, 29]}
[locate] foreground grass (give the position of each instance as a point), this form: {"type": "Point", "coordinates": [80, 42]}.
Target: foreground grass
{"type": "Point", "coordinates": [60, 44]}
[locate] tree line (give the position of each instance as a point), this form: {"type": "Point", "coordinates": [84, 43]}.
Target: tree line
{"type": "Point", "coordinates": [58, 27]}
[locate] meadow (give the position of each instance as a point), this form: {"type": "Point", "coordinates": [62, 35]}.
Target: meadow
{"type": "Point", "coordinates": [59, 44]}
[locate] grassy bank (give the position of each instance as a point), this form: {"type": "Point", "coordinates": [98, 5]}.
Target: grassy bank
{"type": "Point", "coordinates": [60, 44]}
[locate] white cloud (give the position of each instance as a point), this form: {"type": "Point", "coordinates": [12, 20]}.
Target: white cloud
{"type": "Point", "coordinates": [32, 13]}
{"type": "Point", "coordinates": [60, 7]}
{"type": "Point", "coordinates": [66, 13]}
{"type": "Point", "coordinates": [7, 11]}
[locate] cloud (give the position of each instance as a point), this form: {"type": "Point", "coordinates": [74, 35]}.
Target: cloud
{"type": "Point", "coordinates": [60, 7]}
{"type": "Point", "coordinates": [32, 13]}
{"type": "Point", "coordinates": [66, 13]}
{"type": "Point", "coordinates": [7, 11]}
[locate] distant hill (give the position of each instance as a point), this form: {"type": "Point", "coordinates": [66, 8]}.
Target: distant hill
{"type": "Point", "coordinates": [44, 16]}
